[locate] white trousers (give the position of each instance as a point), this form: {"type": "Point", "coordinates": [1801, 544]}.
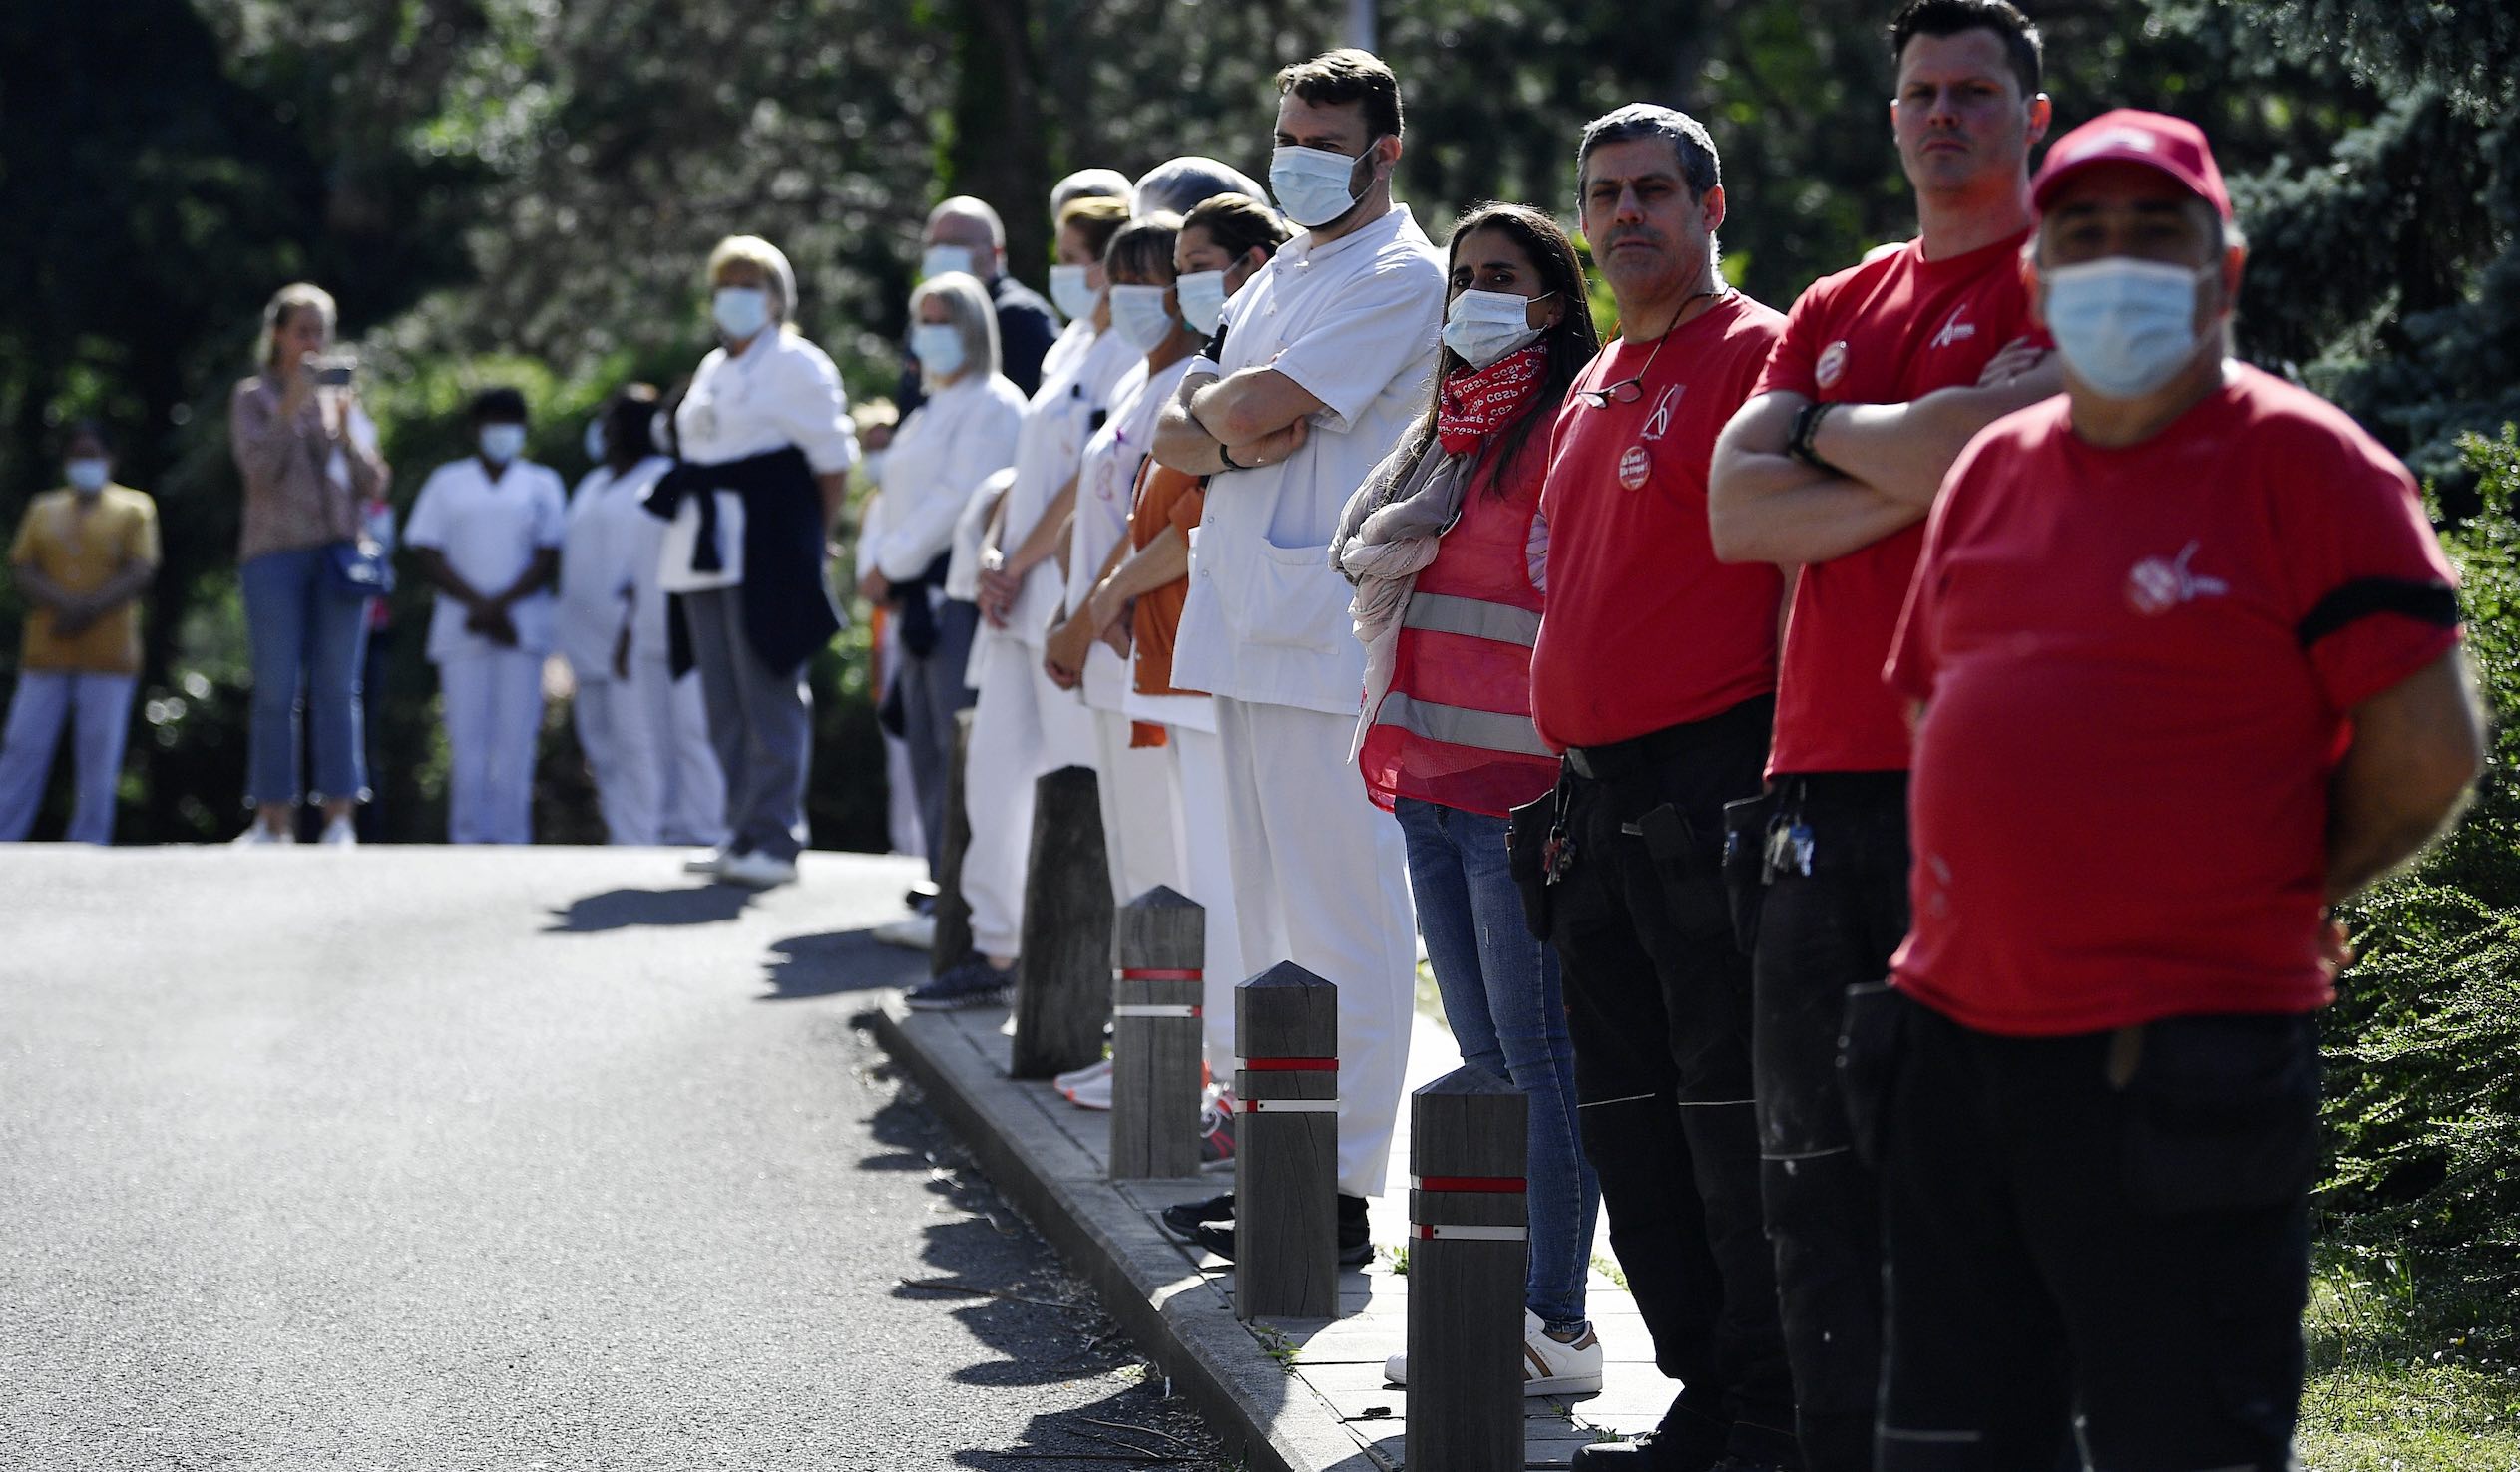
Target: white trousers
{"type": "Point", "coordinates": [1321, 878]}
{"type": "Point", "coordinates": [1004, 762]}
{"type": "Point", "coordinates": [622, 750]}
{"type": "Point", "coordinates": [691, 787]}
{"type": "Point", "coordinates": [98, 709]}
{"type": "Point", "coordinates": [494, 717]}
{"type": "Point", "coordinates": [1196, 763]}
{"type": "Point", "coordinates": [1135, 785]}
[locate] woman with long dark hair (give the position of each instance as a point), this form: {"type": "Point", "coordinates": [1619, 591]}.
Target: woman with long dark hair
{"type": "Point", "coordinates": [1444, 543]}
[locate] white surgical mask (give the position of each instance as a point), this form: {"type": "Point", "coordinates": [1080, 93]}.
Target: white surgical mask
{"type": "Point", "coordinates": [501, 443]}
{"type": "Point", "coordinates": [1070, 293]}
{"type": "Point", "coordinates": [871, 466]}
{"type": "Point", "coordinates": [85, 476]}
{"type": "Point", "coordinates": [1483, 326]}
{"type": "Point", "coordinates": [2125, 326]}
{"type": "Point", "coordinates": [594, 438]}
{"type": "Point", "coordinates": [946, 260]}
{"type": "Point", "coordinates": [937, 347]}
{"type": "Point", "coordinates": [1312, 185]}
{"type": "Point", "coordinates": [1203, 297]}
{"type": "Point", "coordinates": [1139, 315]}
{"type": "Point", "coordinates": [740, 312]}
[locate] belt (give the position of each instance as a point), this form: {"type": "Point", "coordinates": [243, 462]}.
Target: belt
{"type": "Point", "coordinates": [1621, 760]}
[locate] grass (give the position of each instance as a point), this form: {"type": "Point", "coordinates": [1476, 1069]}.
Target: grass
{"type": "Point", "coordinates": [2402, 1380]}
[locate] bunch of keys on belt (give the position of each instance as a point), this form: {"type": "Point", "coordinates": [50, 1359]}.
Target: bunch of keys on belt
{"type": "Point", "coordinates": [1788, 847]}
{"type": "Point", "coordinates": [1557, 856]}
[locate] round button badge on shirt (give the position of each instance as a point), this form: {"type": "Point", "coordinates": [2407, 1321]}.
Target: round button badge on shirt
{"type": "Point", "coordinates": [1636, 466]}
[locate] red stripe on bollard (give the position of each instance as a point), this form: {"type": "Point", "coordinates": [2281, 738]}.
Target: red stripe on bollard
{"type": "Point", "coordinates": [1150, 973]}
{"type": "Point", "coordinates": [1469, 1183]}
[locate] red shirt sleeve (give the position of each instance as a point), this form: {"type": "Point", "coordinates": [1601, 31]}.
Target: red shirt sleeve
{"type": "Point", "coordinates": [2374, 596]}
{"type": "Point", "coordinates": [1794, 363]}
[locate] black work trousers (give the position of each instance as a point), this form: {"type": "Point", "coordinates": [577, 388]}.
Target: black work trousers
{"type": "Point", "coordinates": [1835, 910]}
{"type": "Point", "coordinates": [1658, 1005]}
{"type": "Point", "coordinates": [2113, 1223]}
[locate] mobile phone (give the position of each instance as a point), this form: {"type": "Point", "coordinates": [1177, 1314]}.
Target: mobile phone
{"type": "Point", "coordinates": [334, 372]}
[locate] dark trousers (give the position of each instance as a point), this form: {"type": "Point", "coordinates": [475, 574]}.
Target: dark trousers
{"type": "Point", "coordinates": [2110, 1224]}
{"type": "Point", "coordinates": [1658, 1005]}
{"type": "Point", "coordinates": [1819, 934]}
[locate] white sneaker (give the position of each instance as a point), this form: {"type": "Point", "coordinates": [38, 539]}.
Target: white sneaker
{"type": "Point", "coordinates": [341, 833]}
{"type": "Point", "coordinates": [257, 835]}
{"type": "Point", "coordinates": [1549, 1368]}
{"type": "Point", "coordinates": [1068, 1080]}
{"type": "Point", "coordinates": [910, 933]}
{"type": "Point", "coordinates": [757, 871]}
{"type": "Point", "coordinates": [708, 861]}
{"type": "Point", "coordinates": [1093, 1092]}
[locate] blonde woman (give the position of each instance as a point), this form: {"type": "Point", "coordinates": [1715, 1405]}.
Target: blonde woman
{"type": "Point", "coordinates": [960, 437]}
{"type": "Point", "coordinates": [766, 443]}
{"type": "Point", "coordinates": [308, 458]}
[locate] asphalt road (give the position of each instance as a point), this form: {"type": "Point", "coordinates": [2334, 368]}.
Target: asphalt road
{"type": "Point", "coordinates": [515, 1159]}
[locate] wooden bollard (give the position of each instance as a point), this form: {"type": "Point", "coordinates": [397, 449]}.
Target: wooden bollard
{"type": "Point", "coordinates": [952, 943]}
{"type": "Point", "coordinates": [1063, 996]}
{"type": "Point", "coordinates": [1469, 1237]}
{"type": "Point", "coordinates": [1286, 1146]}
{"type": "Point", "coordinates": [1158, 981]}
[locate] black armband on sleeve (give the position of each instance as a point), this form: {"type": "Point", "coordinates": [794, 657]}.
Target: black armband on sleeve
{"type": "Point", "coordinates": [2426, 602]}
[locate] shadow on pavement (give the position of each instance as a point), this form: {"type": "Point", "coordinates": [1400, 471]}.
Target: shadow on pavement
{"type": "Point", "coordinates": [1005, 1287]}
{"type": "Point", "coordinates": [621, 909]}
{"type": "Point", "coordinates": [836, 962]}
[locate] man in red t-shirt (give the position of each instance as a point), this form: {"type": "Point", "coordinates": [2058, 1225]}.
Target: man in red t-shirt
{"type": "Point", "coordinates": [2186, 647]}
{"type": "Point", "coordinates": [1653, 672]}
{"type": "Point", "coordinates": [1884, 374]}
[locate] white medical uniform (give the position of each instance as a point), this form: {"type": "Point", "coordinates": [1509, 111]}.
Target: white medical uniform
{"type": "Point", "coordinates": [609, 532]}
{"type": "Point", "coordinates": [1320, 872]}
{"type": "Point", "coordinates": [1024, 725]}
{"type": "Point", "coordinates": [490, 532]}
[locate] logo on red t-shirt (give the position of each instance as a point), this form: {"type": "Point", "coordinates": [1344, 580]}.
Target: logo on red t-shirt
{"type": "Point", "coordinates": [1832, 364]}
{"type": "Point", "coordinates": [2159, 584]}
{"type": "Point", "coordinates": [1958, 329]}
{"type": "Point", "coordinates": [1659, 424]}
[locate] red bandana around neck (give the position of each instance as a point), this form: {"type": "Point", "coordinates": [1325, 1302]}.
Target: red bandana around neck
{"type": "Point", "coordinates": [1477, 402]}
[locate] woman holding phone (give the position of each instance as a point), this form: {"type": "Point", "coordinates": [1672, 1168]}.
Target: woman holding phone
{"type": "Point", "coordinates": [308, 457]}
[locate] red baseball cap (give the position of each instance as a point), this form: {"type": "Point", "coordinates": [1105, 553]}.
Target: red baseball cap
{"type": "Point", "coordinates": [2174, 146]}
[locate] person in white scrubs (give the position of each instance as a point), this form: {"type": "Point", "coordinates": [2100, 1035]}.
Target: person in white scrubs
{"type": "Point", "coordinates": [961, 435]}
{"type": "Point", "coordinates": [1023, 726]}
{"type": "Point", "coordinates": [1323, 361]}
{"type": "Point", "coordinates": [486, 532]}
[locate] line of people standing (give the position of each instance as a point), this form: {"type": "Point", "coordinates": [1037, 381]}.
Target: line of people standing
{"type": "Point", "coordinates": [1962, 1121]}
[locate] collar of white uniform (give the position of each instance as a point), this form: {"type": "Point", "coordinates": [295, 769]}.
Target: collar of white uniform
{"type": "Point", "coordinates": [1370, 238]}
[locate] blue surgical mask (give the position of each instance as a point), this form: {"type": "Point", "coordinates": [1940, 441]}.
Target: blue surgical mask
{"type": "Point", "coordinates": [2125, 326]}
{"type": "Point", "coordinates": [1482, 327]}
{"type": "Point", "coordinates": [1202, 296]}
{"type": "Point", "coordinates": [946, 260]}
{"type": "Point", "coordinates": [501, 443]}
{"type": "Point", "coordinates": [871, 466]}
{"type": "Point", "coordinates": [594, 438]}
{"type": "Point", "coordinates": [938, 348]}
{"type": "Point", "coordinates": [1072, 294]}
{"type": "Point", "coordinates": [1138, 316]}
{"type": "Point", "coordinates": [87, 477]}
{"type": "Point", "coordinates": [1313, 186]}
{"type": "Point", "coordinates": [740, 312]}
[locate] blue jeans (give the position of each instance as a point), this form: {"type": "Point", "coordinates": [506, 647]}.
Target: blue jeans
{"type": "Point", "coordinates": [98, 709]}
{"type": "Point", "coordinates": [307, 641]}
{"type": "Point", "coordinates": [1501, 996]}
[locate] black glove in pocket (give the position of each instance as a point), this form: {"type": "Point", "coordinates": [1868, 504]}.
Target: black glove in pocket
{"type": "Point", "coordinates": [1526, 859]}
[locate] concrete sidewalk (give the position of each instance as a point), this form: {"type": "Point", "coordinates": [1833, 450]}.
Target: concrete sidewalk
{"type": "Point", "coordinates": [1291, 1395]}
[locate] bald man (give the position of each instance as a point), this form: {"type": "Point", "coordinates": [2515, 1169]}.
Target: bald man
{"type": "Point", "coordinates": [965, 234]}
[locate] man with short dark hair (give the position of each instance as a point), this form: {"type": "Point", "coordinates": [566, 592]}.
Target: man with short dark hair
{"type": "Point", "coordinates": [1321, 365]}
{"type": "Point", "coordinates": [1657, 992]}
{"type": "Point", "coordinates": [2187, 652]}
{"type": "Point", "coordinates": [1882, 375]}
{"type": "Point", "coordinates": [965, 234]}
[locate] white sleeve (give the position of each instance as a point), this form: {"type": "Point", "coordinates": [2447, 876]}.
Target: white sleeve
{"type": "Point", "coordinates": [1386, 324]}
{"type": "Point", "coordinates": [550, 511]}
{"type": "Point", "coordinates": [812, 409]}
{"type": "Point", "coordinates": [983, 444]}
{"type": "Point", "coordinates": [427, 527]}
{"type": "Point", "coordinates": [870, 533]}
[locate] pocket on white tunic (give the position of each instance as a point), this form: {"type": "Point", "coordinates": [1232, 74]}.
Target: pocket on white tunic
{"type": "Point", "coordinates": [1296, 601]}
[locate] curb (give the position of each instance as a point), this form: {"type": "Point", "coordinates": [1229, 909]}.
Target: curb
{"type": "Point", "coordinates": [1264, 1413]}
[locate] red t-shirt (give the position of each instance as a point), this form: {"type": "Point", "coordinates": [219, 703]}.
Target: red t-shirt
{"type": "Point", "coordinates": [1887, 332]}
{"type": "Point", "coordinates": [2138, 672]}
{"type": "Point", "coordinates": [1644, 628]}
